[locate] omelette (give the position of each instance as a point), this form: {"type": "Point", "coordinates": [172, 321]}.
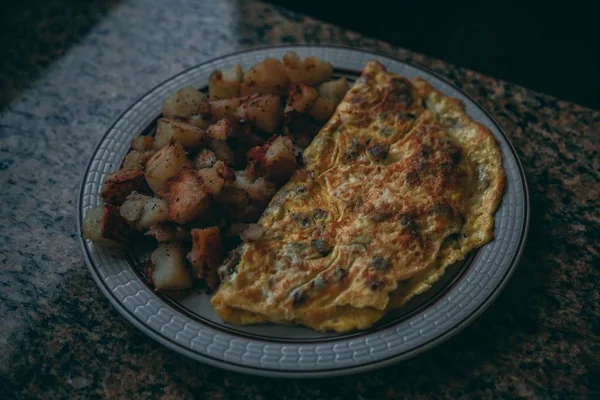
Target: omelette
{"type": "Point", "coordinates": [398, 185]}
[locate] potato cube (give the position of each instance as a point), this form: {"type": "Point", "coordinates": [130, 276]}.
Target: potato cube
{"type": "Point", "coordinates": [188, 135]}
{"type": "Point", "coordinates": [187, 197]}
{"type": "Point", "coordinates": [222, 151]}
{"type": "Point", "coordinates": [265, 112]}
{"type": "Point", "coordinates": [168, 268]}
{"type": "Point", "coordinates": [164, 164]}
{"type": "Point", "coordinates": [132, 208]}
{"type": "Point", "coordinates": [226, 83]}
{"type": "Point", "coordinates": [118, 185]}
{"type": "Point", "coordinates": [206, 254]}
{"type": "Point", "coordinates": [137, 159]}
{"type": "Point", "coordinates": [301, 98]}
{"type": "Point", "coordinates": [334, 90]}
{"type": "Point", "coordinates": [322, 110]}
{"type": "Point", "coordinates": [142, 143]}
{"type": "Point", "coordinates": [199, 121]}
{"type": "Point", "coordinates": [279, 161]}
{"type": "Point", "coordinates": [205, 159]}
{"type": "Point", "coordinates": [227, 127]}
{"type": "Point", "coordinates": [165, 232]}
{"type": "Point", "coordinates": [219, 109]}
{"type": "Point", "coordinates": [311, 71]}
{"type": "Point", "coordinates": [267, 77]}
{"type": "Point", "coordinates": [155, 211]}
{"type": "Point", "coordinates": [183, 103]}
{"type": "Point", "coordinates": [211, 179]}
{"type": "Point", "coordinates": [260, 191]}
{"type": "Point", "coordinates": [105, 226]}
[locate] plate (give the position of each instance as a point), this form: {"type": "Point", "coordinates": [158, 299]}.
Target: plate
{"type": "Point", "coordinates": [190, 326]}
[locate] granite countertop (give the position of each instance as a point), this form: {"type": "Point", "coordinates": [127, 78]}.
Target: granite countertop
{"type": "Point", "coordinates": [60, 338]}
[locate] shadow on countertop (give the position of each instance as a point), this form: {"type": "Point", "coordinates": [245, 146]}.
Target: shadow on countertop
{"type": "Point", "coordinates": [550, 47]}
{"type": "Point", "coordinates": [30, 42]}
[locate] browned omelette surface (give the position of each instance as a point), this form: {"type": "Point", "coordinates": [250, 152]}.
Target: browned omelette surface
{"type": "Point", "coordinates": [398, 185]}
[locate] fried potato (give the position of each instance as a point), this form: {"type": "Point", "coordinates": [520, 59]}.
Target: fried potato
{"type": "Point", "coordinates": [301, 98]}
{"type": "Point", "coordinates": [311, 71]}
{"type": "Point", "coordinates": [219, 109]}
{"type": "Point", "coordinates": [222, 151]}
{"type": "Point", "coordinates": [164, 164]}
{"type": "Point", "coordinates": [275, 158]}
{"type": "Point", "coordinates": [206, 254]}
{"type": "Point", "coordinates": [104, 225]}
{"type": "Point", "coordinates": [211, 179]}
{"type": "Point", "coordinates": [260, 191]}
{"type": "Point", "coordinates": [267, 77]}
{"type": "Point", "coordinates": [204, 159]}
{"type": "Point", "coordinates": [199, 121]}
{"type": "Point", "coordinates": [143, 211]}
{"type": "Point", "coordinates": [137, 159]}
{"type": "Point", "coordinates": [183, 103]}
{"type": "Point", "coordinates": [142, 143]}
{"type": "Point", "coordinates": [166, 232]}
{"type": "Point", "coordinates": [168, 268]}
{"type": "Point", "coordinates": [118, 185]}
{"type": "Point", "coordinates": [189, 136]}
{"type": "Point", "coordinates": [226, 83]}
{"type": "Point", "coordinates": [323, 109]}
{"type": "Point", "coordinates": [186, 196]}
{"type": "Point", "coordinates": [266, 112]}
{"type": "Point", "coordinates": [334, 90]}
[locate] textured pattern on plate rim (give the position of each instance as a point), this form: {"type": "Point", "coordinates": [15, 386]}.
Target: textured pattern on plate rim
{"type": "Point", "coordinates": [486, 276]}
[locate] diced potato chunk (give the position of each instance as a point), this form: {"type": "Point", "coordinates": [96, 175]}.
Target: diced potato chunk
{"type": "Point", "coordinates": [205, 159]}
{"type": "Point", "coordinates": [142, 143]}
{"type": "Point", "coordinates": [322, 109]}
{"type": "Point", "coordinates": [222, 151]}
{"type": "Point", "coordinates": [155, 211]}
{"type": "Point", "coordinates": [267, 77]}
{"type": "Point", "coordinates": [188, 135]}
{"type": "Point", "coordinates": [164, 164]}
{"type": "Point", "coordinates": [311, 70]}
{"type": "Point", "coordinates": [118, 185]}
{"type": "Point", "coordinates": [301, 98]}
{"type": "Point", "coordinates": [219, 109]}
{"type": "Point", "coordinates": [183, 103]}
{"type": "Point", "coordinates": [260, 191]}
{"type": "Point", "coordinates": [334, 90]}
{"type": "Point", "coordinates": [137, 159]}
{"type": "Point", "coordinates": [279, 161]}
{"type": "Point", "coordinates": [227, 127]}
{"type": "Point", "coordinates": [211, 179]}
{"type": "Point", "coordinates": [144, 211]}
{"type": "Point", "coordinates": [168, 268]}
{"type": "Point", "coordinates": [275, 158]}
{"type": "Point", "coordinates": [105, 226]}
{"type": "Point", "coordinates": [187, 197]}
{"type": "Point", "coordinates": [132, 208]}
{"type": "Point", "coordinates": [168, 232]}
{"type": "Point", "coordinates": [226, 83]}
{"type": "Point", "coordinates": [206, 254]}
{"type": "Point", "coordinates": [265, 112]}
{"type": "Point", "coordinates": [199, 121]}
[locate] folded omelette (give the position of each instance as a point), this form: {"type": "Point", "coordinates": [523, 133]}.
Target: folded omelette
{"type": "Point", "coordinates": [397, 186]}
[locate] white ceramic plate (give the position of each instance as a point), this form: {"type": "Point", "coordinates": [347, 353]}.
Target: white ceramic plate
{"type": "Point", "coordinates": [191, 327]}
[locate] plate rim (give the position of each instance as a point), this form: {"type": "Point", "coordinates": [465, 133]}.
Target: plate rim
{"type": "Point", "coordinates": [335, 371]}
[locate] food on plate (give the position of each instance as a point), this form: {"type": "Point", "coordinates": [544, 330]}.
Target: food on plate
{"type": "Point", "coordinates": [395, 184]}
{"type": "Point", "coordinates": [398, 185]}
{"type": "Point", "coordinates": [198, 184]}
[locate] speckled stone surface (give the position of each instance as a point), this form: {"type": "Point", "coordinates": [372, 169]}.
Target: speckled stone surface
{"type": "Point", "coordinates": [60, 338]}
